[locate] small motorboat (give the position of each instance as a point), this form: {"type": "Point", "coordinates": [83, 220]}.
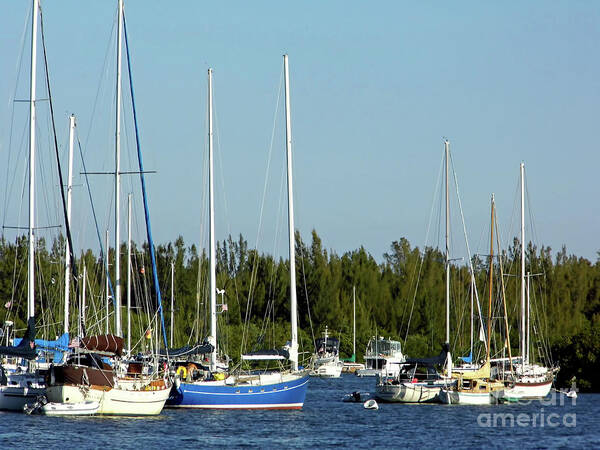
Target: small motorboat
{"type": "Point", "coordinates": [371, 404]}
{"type": "Point", "coordinates": [70, 409]}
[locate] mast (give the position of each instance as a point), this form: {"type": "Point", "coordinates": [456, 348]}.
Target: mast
{"type": "Point", "coordinates": [129, 274]}
{"type": "Point", "coordinates": [172, 299]}
{"type": "Point", "coordinates": [523, 343]}
{"type": "Point", "coordinates": [292, 247]}
{"type": "Point", "coordinates": [68, 250]}
{"type": "Point", "coordinates": [353, 323]}
{"type": "Point", "coordinates": [472, 294]}
{"type": "Point", "coordinates": [449, 356]}
{"type": "Point", "coordinates": [107, 291]}
{"type": "Point", "coordinates": [213, 271]}
{"type": "Point", "coordinates": [118, 177]}
{"type": "Point", "coordinates": [527, 325]}
{"type": "Point", "coordinates": [32, 117]}
{"type": "Point", "coordinates": [447, 151]}
{"type": "Point", "coordinates": [489, 327]}
{"type": "Point", "coordinates": [82, 312]}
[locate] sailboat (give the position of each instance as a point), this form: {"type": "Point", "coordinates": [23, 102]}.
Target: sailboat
{"type": "Point", "coordinates": [416, 380]}
{"type": "Point", "coordinates": [276, 389]}
{"type": "Point", "coordinates": [477, 387]}
{"type": "Point", "coordinates": [86, 377]}
{"type": "Point", "coordinates": [25, 384]}
{"type": "Point", "coordinates": [528, 380]}
{"type": "Point", "coordinates": [350, 364]}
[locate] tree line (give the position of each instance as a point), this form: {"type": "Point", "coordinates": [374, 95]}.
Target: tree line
{"type": "Point", "coordinates": [402, 297]}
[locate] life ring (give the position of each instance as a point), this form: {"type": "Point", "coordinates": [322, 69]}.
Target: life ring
{"type": "Point", "coordinates": [182, 372]}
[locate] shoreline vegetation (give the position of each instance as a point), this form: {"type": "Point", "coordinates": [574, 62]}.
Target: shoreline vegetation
{"type": "Point", "coordinates": [565, 298]}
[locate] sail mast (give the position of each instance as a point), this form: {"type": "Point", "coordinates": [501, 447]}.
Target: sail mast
{"type": "Point", "coordinates": [353, 323]}
{"type": "Point", "coordinates": [292, 247]}
{"type": "Point", "coordinates": [82, 312]}
{"type": "Point", "coordinates": [172, 299]}
{"type": "Point", "coordinates": [68, 250]}
{"type": "Point", "coordinates": [522, 343]}
{"type": "Point", "coordinates": [118, 177]}
{"type": "Point", "coordinates": [447, 151]}
{"type": "Point", "coordinates": [107, 275]}
{"type": "Point", "coordinates": [129, 274]}
{"type": "Point", "coordinates": [32, 117]}
{"type": "Point", "coordinates": [213, 276]}
{"type": "Point", "coordinates": [489, 325]}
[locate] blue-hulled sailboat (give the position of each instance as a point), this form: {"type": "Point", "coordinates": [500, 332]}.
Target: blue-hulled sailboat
{"type": "Point", "coordinates": [277, 389]}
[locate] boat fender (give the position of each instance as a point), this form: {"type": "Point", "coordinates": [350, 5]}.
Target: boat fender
{"type": "Point", "coordinates": [182, 372]}
{"type": "Point", "coordinates": [52, 375]}
{"type": "Point", "coordinates": [177, 382]}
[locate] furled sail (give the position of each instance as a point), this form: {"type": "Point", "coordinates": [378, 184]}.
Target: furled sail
{"type": "Point", "coordinates": [103, 343]}
{"type": "Point", "coordinates": [25, 348]}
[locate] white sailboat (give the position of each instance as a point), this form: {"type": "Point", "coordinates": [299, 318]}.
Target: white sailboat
{"type": "Point", "coordinates": [477, 387]}
{"type": "Point", "coordinates": [20, 387]}
{"type": "Point", "coordinates": [86, 378]}
{"type": "Point", "coordinates": [416, 380]}
{"type": "Point", "coordinates": [350, 364]}
{"type": "Point", "coordinates": [528, 380]}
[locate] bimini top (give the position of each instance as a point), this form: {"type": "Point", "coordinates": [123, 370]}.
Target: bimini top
{"type": "Point", "coordinates": [432, 361]}
{"type": "Point", "coordinates": [262, 355]}
{"type": "Point", "coordinates": [329, 345]}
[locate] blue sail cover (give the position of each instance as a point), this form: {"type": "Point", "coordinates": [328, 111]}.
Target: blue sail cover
{"type": "Point", "coordinates": [59, 347]}
{"type": "Point", "coordinates": [467, 359]}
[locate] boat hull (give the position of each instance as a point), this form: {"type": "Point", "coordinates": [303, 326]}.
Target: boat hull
{"type": "Point", "coordinates": [112, 401]}
{"type": "Point", "coordinates": [453, 397]}
{"type": "Point", "coordinates": [327, 371]}
{"type": "Point", "coordinates": [273, 391]}
{"type": "Point", "coordinates": [407, 393]}
{"type": "Point", "coordinates": [528, 390]}
{"type": "Point", "coordinates": [20, 390]}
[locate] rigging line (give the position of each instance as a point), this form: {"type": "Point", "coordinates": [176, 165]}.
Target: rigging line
{"type": "Point", "coordinates": [20, 156]}
{"type": "Point", "coordinates": [62, 191]}
{"type": "Point", "coordinates": [312, 331]}
{"type": "Point", "coordinates": [462, 217]}
{"type": "Point", "coordinates": [103, 73]}
{"type": "Point", "coordinates": [102, 252]}
{"type": "Point", "coordinates": [11, 107]}
{"type": "Point", "coordinates": [223, 190]}
{"type": "Point", "coordinates": [424, 249]}
{"type": "Point", "coordinates": [143, 180]}
{"type": "Point", "coordinates": [269, 157]}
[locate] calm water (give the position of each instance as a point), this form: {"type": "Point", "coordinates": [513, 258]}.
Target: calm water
{"type": "Point", "coordinates": [325, 421]}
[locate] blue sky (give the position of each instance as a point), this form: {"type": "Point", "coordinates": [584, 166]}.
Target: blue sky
{"type": "Point", "coordinates": [375, 88]}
